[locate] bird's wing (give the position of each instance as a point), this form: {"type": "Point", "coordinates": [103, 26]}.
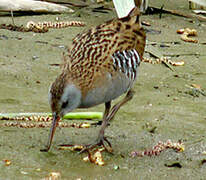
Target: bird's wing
{"type": "Point", "coordinates": [126, 62]}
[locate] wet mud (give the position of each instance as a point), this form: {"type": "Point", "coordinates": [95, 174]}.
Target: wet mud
{"type": "Point", "coordinates": [167, 104]}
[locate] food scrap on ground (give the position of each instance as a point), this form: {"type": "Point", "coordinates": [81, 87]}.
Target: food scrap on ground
{"type": "Point", "coordinates": [185, 33]}
{"type": "Point", "coordinates": [57, 25]}
{"type": "Point", "coordinates": [157, 149]}
{"type": "Point", "coordinates": [13, 27]}
{"type": "Point", "coordinates": [53, 176]}
{"type": "Point", "coordinates": [41, 27]}
{"type": "Point", "coordinates": [71, 147]}
{"type": "Point", "coordinates": [43, 120]}
{"type": "Point", "coordinates": [95, 157]}
{"type": "Point", "coordinates": [45, 125]}
{"type": "Point", "coordinates": [36, 118]}
{"type": "Point", "coordinates": [163, 60]}
{"type": "Point", "coordinates": [7, 162]}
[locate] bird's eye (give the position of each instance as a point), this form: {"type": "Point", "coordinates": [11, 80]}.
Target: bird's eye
{"type": "Point", "coordinates": [64, 104]}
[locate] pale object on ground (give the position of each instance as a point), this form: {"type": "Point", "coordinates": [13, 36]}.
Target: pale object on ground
{"type": "Point", "coordinates": [144, 5]}
{"type": "Point", "coordinates": [31, 5]}
{"type": "Point", "coordinates": [200, 2]}
{"type": "Point", "coordinates": [197, 4]}
{"type": "Point", "coordinates": [123, 7]}
{"type": "Point", "coordinates": [199, 11]}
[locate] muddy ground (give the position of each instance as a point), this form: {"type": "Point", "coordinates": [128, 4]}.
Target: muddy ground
{"type": "Point", "coordinates": [164, 106]}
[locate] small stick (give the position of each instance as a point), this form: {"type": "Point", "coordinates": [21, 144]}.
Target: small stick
{"type": "Point", "coordinates": [179, 13]}
{"type": "Point", "coordinates": [12, 17]}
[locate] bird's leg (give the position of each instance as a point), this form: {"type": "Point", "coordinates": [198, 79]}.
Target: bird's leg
{"type": "Point", "coordinates": [107, 109]}
{"type": "Point", "coordinates": [116, 107]}
{"type": "Point", "coordinates": [100, 139]}
{"type": "Point", "coordinates": [109, 115]}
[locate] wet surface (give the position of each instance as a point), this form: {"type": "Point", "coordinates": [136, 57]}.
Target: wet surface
{"type": "Point", "coordinates": [164, 107]}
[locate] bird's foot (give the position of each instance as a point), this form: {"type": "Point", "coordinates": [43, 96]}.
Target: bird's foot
{"type": "Point", "coordinates": [100, 142]}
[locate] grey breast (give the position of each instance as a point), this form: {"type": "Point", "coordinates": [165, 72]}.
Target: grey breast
{"type": "Point", "coordinates": [125, 64]}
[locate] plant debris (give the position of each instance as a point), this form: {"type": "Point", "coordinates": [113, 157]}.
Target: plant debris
{"type": "Point", "coordinates": [41, 27]}
{"type": "Point", "coordinates": [71, 147]}
{"type": "Point", "coordinates": [57, 25]}
{"type": "Point", "coordinates": [39, 122]}
{"type": "Point", "coordinates": [197, 86]}
{"type": "Point", "coordinates": [157, 149]}
{"type": "Point", "coordinates": [195, 90]}
{"type": "Point", "coordinates": [21, 28]}
{"type": "Point", "coordinates": [28, 118]}
{"type": "Point", "coordinates": [53, 176]}
{"type": "Point", "coordinates": [146, 23]}
{"type": "Point", "coordinates": [163, 60]}
{"type": "Point", "coordinates": [177, 13]}
{"type": "Point", "coordinates": [44, 125]}
{"type": "Point", "coordinates": [95, 157]}
{"type": "Point", "coordinates": [185, 33]}
{"type": "Point", "coordinates": [7, 162]}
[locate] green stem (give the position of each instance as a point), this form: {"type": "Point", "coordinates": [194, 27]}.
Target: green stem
{"type": "Point", "coordinates": [71, 115]}
{"type": "Point", "coordinates": [84, 115]}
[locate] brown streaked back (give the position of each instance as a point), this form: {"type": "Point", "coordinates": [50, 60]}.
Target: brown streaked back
{"type": "Point", "coordinates": [91, 53]}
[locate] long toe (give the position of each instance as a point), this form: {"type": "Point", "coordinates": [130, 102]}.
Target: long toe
{"type": "Point", "coordinates": [100, 142]}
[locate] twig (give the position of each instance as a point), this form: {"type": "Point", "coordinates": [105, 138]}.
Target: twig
{"type": "Point", "coordinates": [12, 17]}
{"type": "Point", "coordinates": [179, 13]}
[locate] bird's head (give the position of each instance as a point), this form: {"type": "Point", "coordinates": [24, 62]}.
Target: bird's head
{"type": "Point", "coordinates": [64, 97]}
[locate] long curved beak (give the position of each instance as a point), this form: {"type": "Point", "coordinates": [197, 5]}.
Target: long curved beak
{"type": "Point", "coordinates": [52, 131]}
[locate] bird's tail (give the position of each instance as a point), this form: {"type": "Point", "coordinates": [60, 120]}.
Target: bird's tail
{"type": "Point", "coordinates": [132, 17]}
{"type": "Point", "coordinates": [123, 7]}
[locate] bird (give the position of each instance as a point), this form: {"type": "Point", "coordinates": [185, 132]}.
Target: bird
{"type": "Point", "coordinates": [100, 65]}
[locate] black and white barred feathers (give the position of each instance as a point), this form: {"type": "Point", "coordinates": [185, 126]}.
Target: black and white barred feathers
{"type": "Point", "coordinates": [127, 62]}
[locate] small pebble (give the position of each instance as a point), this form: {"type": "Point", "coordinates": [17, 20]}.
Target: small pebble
{"type": "Point", "coordinates": [3, 37]}
{"type": "Point", "coordinates": [116, 167]}
{"type": "Point", "coordinates": [61, 46]}
{"type": "Point", "coordinates": [34, 57]}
